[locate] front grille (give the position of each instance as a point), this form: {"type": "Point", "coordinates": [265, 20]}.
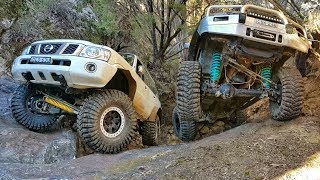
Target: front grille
{"type": "Point", "coordinates": [53, 48]}
{"type": "Point", "coordinates": [32, 49]}
{"type": "Point", "coordinates": [49, 48]}
{"type": "Point", "coordinates": [70, 49]}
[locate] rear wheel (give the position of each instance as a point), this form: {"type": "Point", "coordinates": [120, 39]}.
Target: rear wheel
{"type": "Point", "coordinates": [150, 132]}
{"type": "Point", "coordinates": [29, 109]}
{"type": "Point", "coordinates": [184, 130]}
{"type": "Point", "coordinates": [107, 121]}
{"type": "Point", "coordinates": [286, 102]}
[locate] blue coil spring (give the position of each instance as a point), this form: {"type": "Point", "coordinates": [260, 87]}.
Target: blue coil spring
{"type": "Point", "coordinates": [215, 66]}
{"type": "Point", "coordinates": [266, 74]}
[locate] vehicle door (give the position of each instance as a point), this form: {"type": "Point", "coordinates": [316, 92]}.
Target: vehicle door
{"type": "Point", "coordinates": [146, 88]}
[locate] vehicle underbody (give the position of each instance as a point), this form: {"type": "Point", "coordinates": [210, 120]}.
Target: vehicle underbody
{"type": "Point", "coordinates": [242, 77]}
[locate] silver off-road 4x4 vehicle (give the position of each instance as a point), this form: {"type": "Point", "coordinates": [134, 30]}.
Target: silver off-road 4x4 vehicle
{"type": "Point", "coordinates": [109, 93]}
{"type": "Point", "coordinates": [236, 58]}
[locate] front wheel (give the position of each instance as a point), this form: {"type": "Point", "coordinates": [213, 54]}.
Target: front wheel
{"type": "Point", "coordinates": [286, 102]}
{"type": "Point", "coordinates": [107, 121]}
{"type": "Point", "coordinates": [29, 109]}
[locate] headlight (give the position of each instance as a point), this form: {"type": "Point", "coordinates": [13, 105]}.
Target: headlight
{"type": "Point", "coordinates": [95, 53]}
{"type": "Point", "coordinates": [25, 50]}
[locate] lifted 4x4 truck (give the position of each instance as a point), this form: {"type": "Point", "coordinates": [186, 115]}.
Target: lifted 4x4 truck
{"type": "Point", "coordinates": [236, 57]}
{"type": "Point", "coordinates": [109, 93]}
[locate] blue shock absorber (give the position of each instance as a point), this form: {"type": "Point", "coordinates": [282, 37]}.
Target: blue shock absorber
{"type": "Point", "coordinates": [266, 74]}
{"type": "Point", "coordinates": [215, 66]}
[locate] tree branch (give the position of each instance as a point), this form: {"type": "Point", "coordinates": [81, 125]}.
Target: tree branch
{"type": "Point", "coordinates": [153, 29]}
{"type": "Point", "coordinates": [173, 55]}
{"type": "Point", "coordinates": [296, 9]}
{"type": "Point", "coordinates": [279, 7]}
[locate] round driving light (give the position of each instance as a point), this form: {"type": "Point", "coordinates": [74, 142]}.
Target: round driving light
{"type": "Point", "coordinates": [91, 67]}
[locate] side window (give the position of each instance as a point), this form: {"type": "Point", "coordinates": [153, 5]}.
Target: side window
{"type": "Point", "coordinates": [128, 57]}
{"type": "Point", "coordinates": [146, 77]}
{"type": "Point", "coordinates": [139, 65]}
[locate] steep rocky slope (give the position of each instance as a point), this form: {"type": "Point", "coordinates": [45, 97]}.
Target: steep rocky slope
{"type": "Point", "coordinates": [18, 145]}
{"type": "Point", "coordinates": [252, 151]}
{"type": "Point", "coordinates": [262, 149]}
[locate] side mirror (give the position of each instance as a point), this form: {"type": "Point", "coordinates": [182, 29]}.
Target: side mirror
{"type": "Point", "coordinates": [140, 70]}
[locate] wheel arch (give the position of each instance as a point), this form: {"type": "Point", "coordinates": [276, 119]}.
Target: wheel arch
{"type": "Point", "coordinates": [159, 113]}
{"type": "Point", "coordinates": [156, 111]}
{"type": "Point", "coordinates": [123, 81]}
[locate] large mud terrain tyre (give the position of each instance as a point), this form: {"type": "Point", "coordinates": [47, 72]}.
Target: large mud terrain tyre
{"type": "Point", "coordinates": [184, 130]}
{"type": "Point", "coordinates": [188, 91]}
{"type": "Point", "coordinates": [150, 132]}
{"type": "Point", "coordinates": [188, 99]}
{"type": "Point", "coordinates": [26, 105]}
{"type": "Point", "coordinates": [288, 103]}
{"type": "Point", "coordinates": [107, 121]}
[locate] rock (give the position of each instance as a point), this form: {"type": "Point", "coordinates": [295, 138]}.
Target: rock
{"type": "Point", "coordinates": [205, 130]}
{"type": "Point", "coordinates": [261, 149]}
{"type": "Point", "coordinates": [18, 145]}
{"type": "Point", "coordinates": [88, 13]}
{"type": "Point", "coordinates": [198, 136]}
{"type": "Point", "coordinates": [2, 65]}
{"type": "Point", "coordinates": [7, 86]}
{"type": "Point", "coordinates": [227, 127]}
{"type": "Point", "coordinates": [173, 140]}
{"type": "Point", "coordinates": [216, 129]}
{"type": "Point", "coordinates": [219, 123]}
{"type": "Point", "coordinates": [6, 23]}
{"type": "Point", "coordinates": [74, 2]}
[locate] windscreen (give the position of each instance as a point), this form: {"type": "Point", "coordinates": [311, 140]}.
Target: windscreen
{"type": "Point", "coordinates": [129, 58]}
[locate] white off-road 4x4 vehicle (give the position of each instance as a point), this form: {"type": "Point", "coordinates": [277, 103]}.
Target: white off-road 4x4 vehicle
{"type": "Point", "coordinates": [236, 58]}
{"type": "Point", "coordinates": [108, 92]}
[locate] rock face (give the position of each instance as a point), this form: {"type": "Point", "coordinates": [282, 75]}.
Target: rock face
{"type": "Point", "coordinates": [19, 145]}
{"type": "Point", "coordinates": [264, 150]}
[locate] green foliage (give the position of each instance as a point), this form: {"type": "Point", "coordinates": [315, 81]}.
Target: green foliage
{"type": "Point", "coordinates": [36, 7]}
{"type": "Point", "coordinates": [11, 9]}
{"type": "Point", "coordinates": [107, 15]}
{"type": "Point", "coordinates": [178, 7]}
{"type": "Point", "coordinates": [141, 25]}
